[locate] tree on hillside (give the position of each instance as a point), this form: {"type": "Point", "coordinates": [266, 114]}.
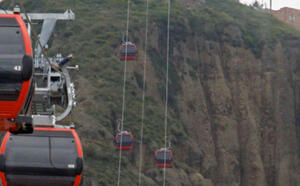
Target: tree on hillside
{"type": "Point", "coordinates": [257, 5]}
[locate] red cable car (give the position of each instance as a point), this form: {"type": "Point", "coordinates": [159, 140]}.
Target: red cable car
{"type": "Point", "coordinates": [127, 141]}
{"type": "Point", "coordinates": [131, 51]}
{"type": "Point", "coordinates": [163, 158]}
{"type": "Point", "coordinates": [16, 69]}
{"type": "Point", "coordinates": [47, 157]}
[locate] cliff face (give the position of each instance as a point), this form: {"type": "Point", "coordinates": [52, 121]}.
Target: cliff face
{"type": "Point", "coordinates": [241, 113]}
{"type": "Point", "coordinates": [234, 92]}
{"type": "Point", "coordinates": [239, 109]}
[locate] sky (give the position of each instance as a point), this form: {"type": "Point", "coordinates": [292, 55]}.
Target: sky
{"type": "Point", "coordinates": [277, 4]}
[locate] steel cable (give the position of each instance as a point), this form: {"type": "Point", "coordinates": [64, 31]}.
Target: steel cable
{"type": "Point", "coordinates": [124, 91]}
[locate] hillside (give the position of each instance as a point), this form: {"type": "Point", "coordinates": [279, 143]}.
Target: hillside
{"type": "Point", "coordinates": [234, 93]}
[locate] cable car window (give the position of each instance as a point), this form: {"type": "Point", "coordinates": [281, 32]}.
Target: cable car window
{"type": "Point", "coordinates": [11, 41]}
{"type": "Point", "coordinates": [35, 148]}
{"type": "Point", "coordinates": [63, 152]}
{"type": "Point", "coordinates": [12, 49]}
{"type": "Point", "coordinates": [161, 156]}
{"type": "Point", "coordinates": [131, 51]}
{"type": "Point", "coordinates": [126, 140]}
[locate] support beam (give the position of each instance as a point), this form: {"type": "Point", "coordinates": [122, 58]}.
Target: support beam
{"type": "Point", "coordinates": [68, 15]}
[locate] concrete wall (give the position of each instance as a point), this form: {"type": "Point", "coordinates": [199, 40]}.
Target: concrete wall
{"type": "Point", "coordinates": [288, 15]}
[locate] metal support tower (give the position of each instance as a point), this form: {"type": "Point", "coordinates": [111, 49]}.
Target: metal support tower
{"type": "Point", "coordinates": [53, 88]}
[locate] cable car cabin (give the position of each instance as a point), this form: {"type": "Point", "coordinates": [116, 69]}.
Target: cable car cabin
{"type": "Point", "coordinates": [127, 141]}
{"type": "Point", "coordinates": [131, 51]}
{"type": "Point", "coordinates": [16, 66]}
{"type": "Point", "coordinates": [163, 158]}
{"type": "Point", "coordinates": [47, 157]}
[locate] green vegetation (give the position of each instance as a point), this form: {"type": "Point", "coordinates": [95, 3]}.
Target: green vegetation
{"type": "Point", "coordinates": [94, 38]}
{"type": "Point", "coordinates": [257, 28]}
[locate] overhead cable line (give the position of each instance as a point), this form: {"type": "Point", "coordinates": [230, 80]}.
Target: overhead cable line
{"type": "Point", "coordinates": [167, 88]}
{"type": "Point", "coordinates": [124, 91]}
